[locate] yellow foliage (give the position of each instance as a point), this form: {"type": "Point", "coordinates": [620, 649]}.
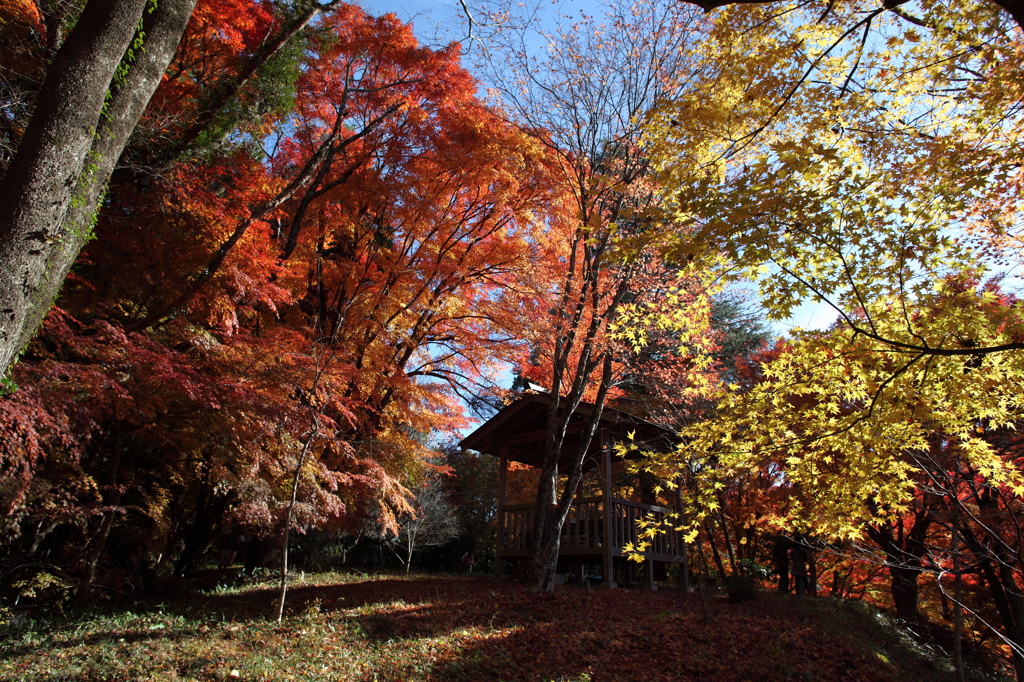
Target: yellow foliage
{"type": "Point", "coordinates": [868, 158]}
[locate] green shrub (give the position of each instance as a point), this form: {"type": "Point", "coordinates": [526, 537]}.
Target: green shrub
{"type": "Point", "coordinates": [741, 588]}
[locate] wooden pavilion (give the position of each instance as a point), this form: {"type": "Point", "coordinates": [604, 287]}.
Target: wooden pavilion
{"type": "Point", "coordinates": [598, 527]}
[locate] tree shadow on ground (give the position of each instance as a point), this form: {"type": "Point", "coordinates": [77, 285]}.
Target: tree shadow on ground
{"type": "Point", "coordinates": [498, 631]}
{"type": "Point", "coordinates": [477, 629]}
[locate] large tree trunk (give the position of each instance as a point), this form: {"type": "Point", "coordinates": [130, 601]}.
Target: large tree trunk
{"type": "Point", "coordinates": [905, 591]}
{"type": "Point", "coordinates": [552, 504]}
{"type": "Point", "coordinates": [83, 118]}
{"type": "Point", "coordinates": [904, 551]}
{"type": "Point", "coordinates": [547, 533]}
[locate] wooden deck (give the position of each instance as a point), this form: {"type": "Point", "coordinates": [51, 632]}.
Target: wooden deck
{"type": "Point", "coordinates": [584, 532]}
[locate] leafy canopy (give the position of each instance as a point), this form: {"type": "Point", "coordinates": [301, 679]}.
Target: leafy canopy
{"type": "Point", "coordinates": [868, 158]}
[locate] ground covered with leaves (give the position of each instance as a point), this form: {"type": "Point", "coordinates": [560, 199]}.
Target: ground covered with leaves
{"type": "Point", "coordinates": [342, 627]}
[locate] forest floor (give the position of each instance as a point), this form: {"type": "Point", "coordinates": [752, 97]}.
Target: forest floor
{"type": "Point", "coordinates": [468, 629]}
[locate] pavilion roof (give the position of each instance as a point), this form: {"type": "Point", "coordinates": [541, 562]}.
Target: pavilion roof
{"type": "Point", "coordinates": [521, 427]}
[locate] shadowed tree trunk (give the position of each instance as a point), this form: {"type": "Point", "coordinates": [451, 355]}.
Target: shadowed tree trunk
{"type": "Point", "coordinates": [202, 532]}
{"type": "Point", "coordinates": [99, 542]}
{"type": "Point", "coordinates": [715, 554]}
{"type": "Point", "coordinates": [904, 551]}
{"type": "Point", "coordinates": [553, 505]}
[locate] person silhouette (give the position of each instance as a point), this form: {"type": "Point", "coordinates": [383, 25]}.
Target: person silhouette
{"type": "Point", "coordinates": [798, 569]}
{"type": "Point", "coordinates": [780, 562]}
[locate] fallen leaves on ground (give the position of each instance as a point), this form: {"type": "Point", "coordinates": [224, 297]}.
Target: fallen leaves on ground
{"type": "Point", "coordinates": [450, 629]}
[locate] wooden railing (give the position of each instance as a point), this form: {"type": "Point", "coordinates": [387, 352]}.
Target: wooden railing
{"type": "Point", "coordinates": [624, 518]}
{"type": "Point", "coordinates": [584, 526]}
{"type": "Point", "coordinates": [515, 524]}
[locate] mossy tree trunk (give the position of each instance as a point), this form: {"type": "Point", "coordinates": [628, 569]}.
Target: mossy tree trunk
{"type": "Point", "coordinates": [94, 93]}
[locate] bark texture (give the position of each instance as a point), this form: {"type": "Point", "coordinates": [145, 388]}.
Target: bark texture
{"type": "Point", "coordinates": [58, 176]}
{"type": "Point", "coordinates": [553, 505]}
{"type": "Point", "coordinates": [904, 549]}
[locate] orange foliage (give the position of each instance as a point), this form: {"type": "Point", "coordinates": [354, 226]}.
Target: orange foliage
{"type": "Point", "coordinates": [361, 277]}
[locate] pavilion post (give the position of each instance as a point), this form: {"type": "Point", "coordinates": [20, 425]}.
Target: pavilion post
{"type": "Point", "coordinates": [608, 566]}
{"type": "Point", "coordinates": [684, 573]}
{"type": "Point", "coordinates": [502, 493]}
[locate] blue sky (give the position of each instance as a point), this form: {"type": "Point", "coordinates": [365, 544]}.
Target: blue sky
{"type": "Point", "coordinates": [438, 22]}
{"type": "Point", "coordinates": [425, 15]}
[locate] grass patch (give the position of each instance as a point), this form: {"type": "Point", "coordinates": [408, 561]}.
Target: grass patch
{"type": "Point", "coordinates": [465, 629]}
